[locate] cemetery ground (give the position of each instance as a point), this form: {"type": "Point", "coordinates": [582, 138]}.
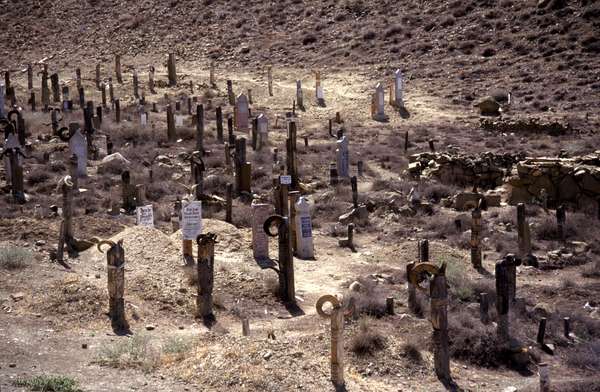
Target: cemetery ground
{"type": "Point", "coordinates": [54, 315]}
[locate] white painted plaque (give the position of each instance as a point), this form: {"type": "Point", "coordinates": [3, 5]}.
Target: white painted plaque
{"type": "Point", "coordinates": [191, 220]}
{"type": "Point", "coordinates": [145, 216]}
{"type": "Point", "coordinates": [285, 180]}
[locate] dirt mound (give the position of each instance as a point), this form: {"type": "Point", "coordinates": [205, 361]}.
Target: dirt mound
{"type": "Point", "coordinates": [229, 238]}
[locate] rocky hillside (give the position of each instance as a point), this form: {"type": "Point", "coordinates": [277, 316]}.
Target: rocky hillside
{"type": "Point", "coordinates": [544, 51]}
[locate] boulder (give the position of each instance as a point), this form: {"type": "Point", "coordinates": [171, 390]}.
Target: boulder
{"type": "Point", "coordinates": [113, 163]}
{"type": "Point", "coordinates": [488, 106]}
{"type": "Point", "coordinates": [568, 189]}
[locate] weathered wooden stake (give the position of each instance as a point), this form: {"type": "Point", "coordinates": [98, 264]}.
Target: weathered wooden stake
{"type": "Point", "coordinates": [503, 301]}
{"type": "Point", "coordinates": [200, 129]}
{"type": "Point", "coordinates": [171, 70]}
{"type": "Point", "coordinates": [55, 87]}
{"type": "Point", "coordinates": [219, 119]}
{"type": "Point", "coordinates": [206, 269]}
{"type": "Point", "coordinates": [287, 290]}
{"type": "Point", "coordinates": [389, 305]}
{"type": "Point", "coordinates": [476, 254]}
{"type": "Point", "coordinates": [561, 218]}
{"type": "Point", "coordinates": [423, 251]}
{"type": "Point", "coordinates": [230, 94]}
{"type": "Point", "coordinates": [270, 80]}
{"type": "Point", "coordinates": [354, 185]}
{"type": "Point", "coordinates": [523, 232]}
{"type": "Point", "coordinates": [541, 331]}
{"type": "Point", "coordinates": [171, 136]}
{"type": "Point", "coordinates": [245, 326]}
{"type": "Point", "coordinates": [29, 77]}
{"type": "Point", "coordinates": [439, 320]}
{"type": "Point", "coordinates": [118, 73]}
{"type": "Point", "coordinates": [115, 260]}
{"type": "Point", "coordinates": [98, 79]}
{"type": "Point", "coordinates": [484, 306]}
{"type": "Point", "coordinates": [117, 111]}
{"type": "Point", "coordinates": [229, 204]}
{"type": "Point", "coordinates": [544, 371]}
{"type": "Point", "coordinates": [337, 341]}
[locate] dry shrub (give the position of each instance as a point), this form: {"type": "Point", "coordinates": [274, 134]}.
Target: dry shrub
{"type": "Point", "coordinates": [412, 352]}
{"type": "Point", "coordinates": [12, 257]}
{"type": "Point", "coordinates": [584, 356]}
{"type": "Point", "coordinates": [474, 342]}
{"type": "Point", "coordinates": [38, 175]}
{"type": "Point", "coordinates": [242, 215]}
{"type": "Point", "coordinates": [367, 340]}
{"type": "Point", "coordinates": [436, 191]}
{"type": "Point", "coordinates": [591, 270]}
{"type": "Point", "coordinates": [135, 352]}
{"type": "Point", "coordinates": [370, 300]}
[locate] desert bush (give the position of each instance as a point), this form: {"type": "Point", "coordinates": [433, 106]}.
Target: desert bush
{"type": "Point", "coordinates": [49, 383]}
{"type": "Point", "coordinates": [584, 356]}
{"type": "Point", "coordinates": [412, 352]}
{"type": "Point", "coordinates": [437, 191]}
{"type": "Point", "coordinates": [309, 39]}
{"type": "Point", "coordinates": [367, 340]}
{"type": "Point", "coordinates": [38, 175]}
{"type": "Point", "coordinates": [12, 257]}
{"type": "Point", "coordinates": [177, 346]}
{"type": "Point", "coordinates": [370, 300]}
{"type": "Point", "coordinates": [472, 341]}
{"type": "Point", "coordinates": [369, 35]}
{"type": "Point", "coordinates": [134, 352]}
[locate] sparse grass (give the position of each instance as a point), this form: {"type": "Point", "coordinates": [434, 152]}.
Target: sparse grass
{"type": "Point", "coordinates": [48, 383]}
{"type": "Point", "coordinates": [134, 352]}
{"type": "Point", "coordinates": [591, 270]}
{"type": "Point", "coordinates": [13, 258]}
{"type": "Point", "coordinates": [367, 340]}
{"type": "Point", "coordinates": [177, 346]}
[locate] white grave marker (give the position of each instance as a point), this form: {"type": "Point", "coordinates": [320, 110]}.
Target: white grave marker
{"type": "Point", "coordinates": [304, 237]}
{"type": "Point", "coordinates": [379, 102]}
{"type": "Point", "coordinates": [263, 127]}
{"type": "Point", "coordinates": [398, 85]}
{"type": "Point", "coordinates": [2, 92]}
{"type": "Point", "coordinates": [285, 180]}
{"type": "Point", "coordinates": [179, 120]}
{"type": "Point", "coordinates": [191, 220]}
{"type": "Point", "coordinates": [145, 216]}
{"type": "Point", "coordinates": [78, 147]}
{"type": "Point", "coordinates": [143, 119]}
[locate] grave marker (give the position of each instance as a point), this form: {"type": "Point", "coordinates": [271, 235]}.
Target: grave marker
{"type": "Point", "coordinates": [270, 80]}
{"type": "Point", "coordinates": [398, 89]}
{"type": "Point", "coordinates": [287, 290]}
{"type": "Point", "coordinates": [145, 216]}
{"type": "Point", "coordinates": [29, 77]}
{"type": "Point", "coordinates": [337, 343]}
{"type": "Point", "coordinates": [304, 237]}
{"type": "Point", "coordinates": [55, 87]}
{"type": "Point", "coordinates": [378, 103]}
{"type": "Point", "coordinates": [78, 147]}
{"type": "Point", "coordinates": [230, 94]}
{"type": "Point", "coordinates": [206, 270]}
{"type": "Point", "coordinates": [260, 241]}
{"type": "Point", "coordinates": [241, 113]}
{"type": "Point", "coordinates": [115, 260]}
{"type": "Point", "coordinates": [342, 157]}
{"type": "Point", "coordinates": [476, 254]}
{"type": "Point", "coordinates": [299, 98]}
{"type": "Point", "coordinates": [219, 121]}
{"type": "Point", "coordinates": [118, 73]}
{"type": "Point", "coordinates": [171, 136]}
{"type": "Point", "coordinates": [191, 220]}
{"type": "Point", "coordinates": [172, 73]}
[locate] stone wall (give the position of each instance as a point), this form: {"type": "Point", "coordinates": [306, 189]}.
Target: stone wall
{"type": "Point", "coordinates": [575, 182]}
{"type": "Point", "coordinates": [487, 169]}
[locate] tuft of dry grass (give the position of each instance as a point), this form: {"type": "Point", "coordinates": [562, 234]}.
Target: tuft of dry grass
{"type": "Point", "coordinates": [367, 340]}
{"type": "Point", "coordinates": [13, 258]}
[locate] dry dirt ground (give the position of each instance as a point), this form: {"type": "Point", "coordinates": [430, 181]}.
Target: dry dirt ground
{"type": "Point", "coordinates": [53, 319]}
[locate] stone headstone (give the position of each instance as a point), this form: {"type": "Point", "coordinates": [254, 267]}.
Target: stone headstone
{"type": "Point", "coordinates": [263, 127]}
{"type": "Point", "coordinates": [191, 220]}
{"type": "Point", "coordinates": [398, 86]}
{"type": "Point", "coordinates": [378, 111]}
{"type": "Point", "coordinates": [304, 237]}
{"type": "Point", "coordinates": [145, 216]}
{"type": "Point", "coordinates": [179, 120]}
{"type": "Point", "coordinates": [260, 241]}
{"type": "Point", "coordinates": [241, 112]}
{"type": "Point", "coordinates": [143, 119]}
{"type": "Point", "coordinates": [78, 147]}
{"type": "Point", "coordinates": [342, 157]}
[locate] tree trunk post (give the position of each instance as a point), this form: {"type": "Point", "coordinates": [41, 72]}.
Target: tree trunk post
{"type": "Point", "coordinates": [287, 290]}
{"type": "Point", "coordinates": [484, 305]}
{"type": "Point", "coordinates": [171, 136]}
{"type": "Point", "coordinates": [118, 73]}
{"type": "Point", "coordinates": [503, 301]}
{"type": "Point", "coordinates": [115, 260]}
{"type": "Point", "coordinates": [229, 204]}
{"type": "Point", "coordinates": [172, 70]}
{"type": "Point", "coordinates": [200, 128]}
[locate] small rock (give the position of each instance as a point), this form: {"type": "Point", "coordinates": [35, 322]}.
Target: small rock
{"type": "Point", "coordinates": [12, 365]}
{"type": "Point", "coordinates": [97, 276]}
{"type": "Point", "coordinates": [40, 243]}
{"type": "Point", "coordinates": [150, 327]}
{"type": "Point", "coordinates": [17, 296]}
{"type": "Point", "coordinates": [355, 286]}
{"type": "Point", "coordinates": [268, 355]}
{"type": "Point", "coordinates": [84, 346]}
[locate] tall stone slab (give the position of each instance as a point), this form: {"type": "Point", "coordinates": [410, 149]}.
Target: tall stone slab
{"type": "Point", "coordinates": [342, 157]}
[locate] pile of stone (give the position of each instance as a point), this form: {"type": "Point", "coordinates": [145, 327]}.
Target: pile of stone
{"type": "Point", "coordinates": [555, 181]}
{"type": "Point", "coordinates": [528, 125]}
{"type": "Point", "coordinates": [487, 170]}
